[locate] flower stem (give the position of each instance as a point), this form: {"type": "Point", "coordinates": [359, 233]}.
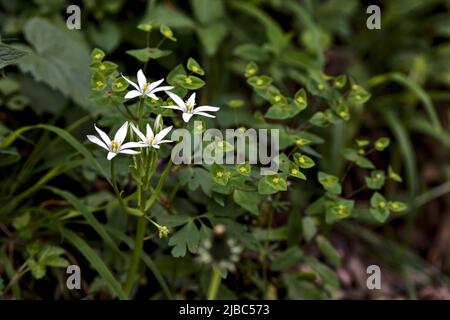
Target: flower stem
{"type": "Point", "coordinates": [113, 177]}
{"type": "Point", "coordinates": [214, 283]}
{"type": "Point", "coordinates": [138, 245]}
{"type": "Point", "coordinates": [141, 111]}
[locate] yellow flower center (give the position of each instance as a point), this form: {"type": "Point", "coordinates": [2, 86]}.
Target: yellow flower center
{"type": "Point", "coordinates": [294, 171]}
{"type": "Point", "coordinates": [188, 80]}
{"type": "Point", "coordinates": [114, 146]}
{"type": "Point", "coordinates": [382, 205]}
{"type": "Point", "coordinates": [243, 170]}
{"type": "Point", "coordinates": [219, 174]}
{"type": "Point", "coordinates": [277, 98]}
{"type": "Point", "coordinates": [98, 56]}
{"type": "Point", "coordinates": [341, 211]}
{"type": "Point", "coordinates": [102, 67]}
{"type": "Point", "coordinates": [276, 180]}
{"type": "Point", "coordinates": [99, 83]}
{"type": "Point", "coordinates": [302, 160]}
{"type": "Point", "coordinates": [320, 87]}
{"type": "Point", "coordinates": [259, 82]}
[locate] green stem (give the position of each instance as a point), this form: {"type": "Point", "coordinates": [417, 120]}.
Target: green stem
{"type": "Point", "coordinates": [159, 186]}
{"type": "Point", "coordinates": [141, 111]}
{"type": "Point", "coordinates": [113, 177]}
{"type": "Point", "coordinates": [214, 283]}
{"type": "Point", "coordinates": [138, 245]}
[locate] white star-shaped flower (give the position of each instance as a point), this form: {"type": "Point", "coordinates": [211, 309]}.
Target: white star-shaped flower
{"type": "Point", "coordinates": [144, 88]}
{"type": "Point", "coordinates": [188, 107]}
{"type": "Point", "coordinates": [115, 146]}
{"type": "Point", "coordinates": [153, 139]}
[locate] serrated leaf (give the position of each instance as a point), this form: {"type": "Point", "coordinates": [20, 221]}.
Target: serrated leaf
{"type": "Point", "coordinates": [58, 60]}
{"type": "Point", "coordinates": [188, 237]}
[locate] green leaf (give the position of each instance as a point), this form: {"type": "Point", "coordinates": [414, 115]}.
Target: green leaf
{"type": "Point", "coordinates": [339, 210]}
{"type": "Point", "coordinates": [247, 200]}
{"type": "Point", "coordinates": [376, 180]}
{"type": "Point", "coordinates": [146, 54]}
{"type": "Point", "coordinates": [287, 259]}
{"type": "Point", "coordinates": [119, 85]}
{"type": "Point", "coordinates": [21, 221]}
{"type": "Point", "coordinates": [62, 134]}
{"type": "Point", "coordinates": [207, 11]}
{"type": "Point", "coordinates": [57, 60]}
{"type": "Point", "coordinates": [303, 161]}
{"type": "Point", "coordinates": [309, 227]}
{"type": "Point", "coordinates": [382, 143]}
{"type": "Point", "coordinates": [212, 36]}
{"type": "Point", "coordinates": [329, 278]}
{"type": "Point", "coordinates": [189, 82]}
{"type": "Point", "coordinates": [328, 250]}
{"type": "Point", "coordinates": [97, 55]}
{"type": "Point", "coordinates": [88, 215]}
{"type": "Point", "coordinates": [9, 156]}
{"type": "Point", "coordinates": [393, 175]}
{"type": "Point", "coordinates": [358, 95]}
{"type": "Point", "coordinates": [300, 99]}
{"type": "Point", "coordinates": [98, 81]}
{"type": "Point", "coordinates": [259, 82]}
{"type": "Point", "coordinates": [294, 171]}
{"type": "Point", "coordinates": [10, 55]}
{"type": "Point", "coordinates": [251, 69]}
{"type": "Point", "coordinates": [379, 207]}
{"type": "Point", "coordinates": [364, 163]}
{"type": "Point", "coordinates": [243, 169]}
{"type": "Point", "coordinates": [94, 260]}
{"type": "Point", "coordinates": [220, 174]}
{"type": "Point", "coordinates": [187, 237]}
{"type": "Point", "coordinates": [38, 270]}
{"type": "Point", "coordinates": [282, 111]}
{"type": "Point", "coordinates": [271, 184]}
{"type": "Point", "coordinates": [329, 182]}
{"type": "Point", "coordinates": [145, 26]}
{"type": "Point", "coordinates": [194, 66]}
{"type": "Point", "coordinates": [397, 206]}
{"type": "Point", "coordinates": [273, 31]}
{"type": "Point", "coordinates": [167, 32]}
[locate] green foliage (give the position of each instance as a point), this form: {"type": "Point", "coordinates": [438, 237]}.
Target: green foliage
{"type": "Point", "coordinates": [354, 123]}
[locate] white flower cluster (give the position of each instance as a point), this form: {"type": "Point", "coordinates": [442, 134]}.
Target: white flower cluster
{"type": "Point", "coordinates": [152, 138]}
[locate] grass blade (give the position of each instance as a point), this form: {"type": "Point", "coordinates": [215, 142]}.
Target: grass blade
{"type": "Point", "coordinates": [95, 261]}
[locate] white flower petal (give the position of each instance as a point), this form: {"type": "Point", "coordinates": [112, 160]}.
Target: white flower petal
{"type": "Point", "coordinates": [172, 107]}
{"type": "Point", "coordinates": [150, 132]}
{"type": "Point", "coordinates": [98, 142]}
{"type": "Point", "coordinates": [129, 145]}
{"type": "Point", "coordinates": [129, 151]}
{"type": "Point", "coordinates": [121, 133]}
{"type": "Point", "coordinates": [132, 94]}
{"type": "Point", "coordinates": [177, 100]}
{"type": "Point", "coordinates": [142, 80]}
{"type": "Point", "coordinates": [205, 108]}
{"type": "Point", "coordinates": [164, 88]}
{"type": "Point", "coordinates": [191, 100]}
{"type": "Point", "coordinates": [131, 82]}
{"type": "Point", "coordinates": [104, 136]}
{"type": "Point", "coordinates": [111, 155]}
{"type": "Point", "coordinates": [162, 134]}
{"type": "Point", "coordinates": [155, 146]}
{"type": "Point", "coordinates": [139, 133]}
{"type": "Point", "coordinates": [205, 114]}
{"type": "Point", "coordinates": [186, 116]}
{"type": "Point", "coordinates": [153, 85]}
{"type": "Point", "coordinates": [165, 141]}
{"type": "Point", "coordinates": [151, 95]}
